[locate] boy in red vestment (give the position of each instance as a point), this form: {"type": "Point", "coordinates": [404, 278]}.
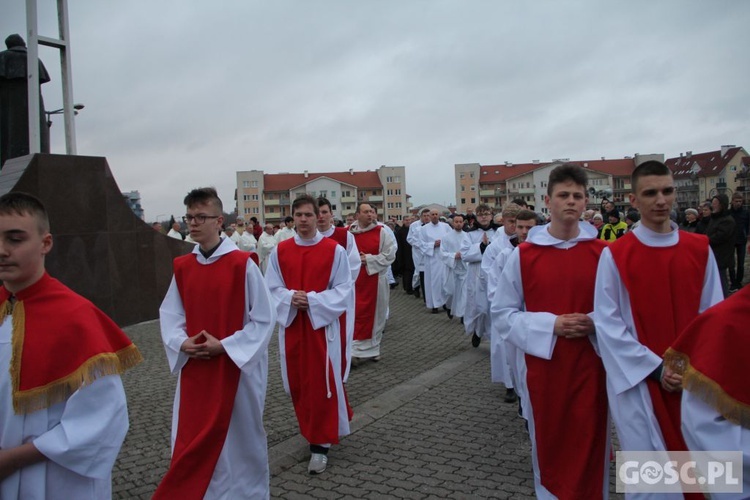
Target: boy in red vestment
{"type": "Point", "coordinates": [650, 285]}
{"type": "Point", "coordinates": [311, 284]}
{"type": "Point", "coordinates": [216, 323]}
{"type": "Point", "coordinates": [543, 306]}
{"type": "Point", "coordinates": [63, 415]}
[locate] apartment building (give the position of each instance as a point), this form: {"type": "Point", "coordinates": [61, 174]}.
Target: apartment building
{"type": "Point", "coordinates": [698, 177]}
{"type": "Point", "coordinates": [269, 196]}
{"type": "Point", "coordinates": [496, 185]}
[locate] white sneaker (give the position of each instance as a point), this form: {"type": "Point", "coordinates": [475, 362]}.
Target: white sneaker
{"type": "Point", "coordinates": [317, 464]}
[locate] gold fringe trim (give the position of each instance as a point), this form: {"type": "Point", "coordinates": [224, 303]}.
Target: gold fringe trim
{"type": "Point", "coordinates": [57, 391]}
{"type": "Point", "coordinates": [5, 309]}
{"type": "Point", "coordinates": [708, 390]}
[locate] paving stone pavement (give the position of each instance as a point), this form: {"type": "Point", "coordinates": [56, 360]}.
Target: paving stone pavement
{"type": "Point", "coordinates": [428, 423]}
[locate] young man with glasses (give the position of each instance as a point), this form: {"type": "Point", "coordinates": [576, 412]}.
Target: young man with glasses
{"type": "Point", "coordinates": [216, 322]}
{"type": "Point", "coordinates": [476, 240]}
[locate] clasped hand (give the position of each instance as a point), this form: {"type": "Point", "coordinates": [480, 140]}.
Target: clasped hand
{"type": "Point", "coordinates": [573, 325]}
{"type": "Point", "coordinates": [202, 346]}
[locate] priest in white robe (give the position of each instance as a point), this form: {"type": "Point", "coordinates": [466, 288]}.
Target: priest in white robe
{"type": "Point", "coordinates": [430, 237]}
{"type": "Point", "coordinates": [266, 244]}
{"type": "Point", "coordinates": [455, 273]}
{"type": "Point", "coordinates": [413, 239]}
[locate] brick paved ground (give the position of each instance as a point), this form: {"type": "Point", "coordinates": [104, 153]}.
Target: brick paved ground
{"type": "Point", "coordinates": [428, 422]}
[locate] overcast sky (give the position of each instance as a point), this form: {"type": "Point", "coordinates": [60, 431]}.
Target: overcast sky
{"type": "Point", "coordinates": [184, 93]}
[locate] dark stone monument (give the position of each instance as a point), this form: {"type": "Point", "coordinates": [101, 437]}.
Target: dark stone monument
{"type": "Point", "coordinates": [14, 102]}
{"type": "Point", "coordinates": [101, 249]}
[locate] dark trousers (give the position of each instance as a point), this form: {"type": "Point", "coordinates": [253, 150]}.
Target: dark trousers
{"type": "Point", "coordinates": [737, 275]}
{"type": "Point", "coordinates": [421, 285]}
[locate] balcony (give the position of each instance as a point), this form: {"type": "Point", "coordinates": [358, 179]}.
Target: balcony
{"type": "Point", "coordinates": [272, 215]}
{"type": "Point", "coordinates": [375, 199]}
{"type": "Point", "coordinates": [525, 190]}
{"type": "Point", "coordinates": [487, 192]}
{"type": "Point", "coordinates": [271, 203]}
{"type": "Point", "coordinates": [688, 189]}
{"type": "Point", "coordinates": [348, 199]}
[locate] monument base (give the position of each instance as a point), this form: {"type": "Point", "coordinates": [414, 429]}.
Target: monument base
{"type": "Point", "coordinates": [100, 248]}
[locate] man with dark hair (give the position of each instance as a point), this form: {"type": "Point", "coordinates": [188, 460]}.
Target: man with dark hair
{"type": "Point", "coordinates": [376, 252]}
{"type": "Point", "coordinates": [635, 325]}
{"type": "Point", "coordinates": [311, 283]}
{"type": "Point", "coordinates": [742, 225]}
{"type": "Point", "coordinates": [721, 236]}
{"type": "Point", "coordinates": [216, 322]}
{"type": "Point", "coordinates": [63, 413]}
{"type": "Point", "coordinates": [344, 238]}
{"type": "Point", "coordinates": [561, 375]}
{"type": "Point", "coordinates": [476, 241]}
{"type": "Point", "coordinates": [287, 231]}
{"type": "Point", "coordinates": [257, 228]}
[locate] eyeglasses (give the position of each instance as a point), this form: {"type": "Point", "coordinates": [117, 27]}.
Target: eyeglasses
{"type": "Point", "coordinates": [199, 219]}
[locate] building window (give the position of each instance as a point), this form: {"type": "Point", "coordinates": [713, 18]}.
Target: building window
{"type": "Point", "coordinates": [255, 197]}
{"type": "Point", "coordinates": [390, 205]}
{"type": "Point", "coordinates": [256, 210]}
{"type": "Point", "coordinates": [463, 188]}
{"type": "Point", "coordinates": [245, 184]}
{"type": "Point", "coordinates": [473, 188]}
{"type": "Point", "coordinates": [324, 194]}
{"type": "Point", "coordinates": [346, 194]}
{"type": "Point", "coordinates": [398, 192]}
{"type": "Point", "coordinates": [254, 184]}
{"type": "Point", "coordinates": [473, 200]}
{"type": "Point", "coordinates": [333, 194]}
{"type": "Point", "coordinates": [461, 176]}
{"type": "Point", "coordinates": [463, 201]}
{"type": "Point", "coordinates": [333, 207]}
{"type": "Point", "coordinates": [245, 197]}
{"type": "Point", "coordinates": [398, 204]}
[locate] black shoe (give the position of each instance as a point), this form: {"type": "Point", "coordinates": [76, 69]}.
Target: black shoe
{"type": "Point", "coordinates": [475, 340]}
{"type": "Point", "coordinates": [520, 408]}
{"type": "Point", "coordinates": [393, 285]}
{"type": "Point", "coordinates": [448, 312]}
{"type": "Point", "coordinates": [416, 293]}
{"type": "Point", "coordinates": [435, 310]}
{"type": "Point", "coordinates": [510, 396]}
{"type": "Point", "coordinates": [461, 319]}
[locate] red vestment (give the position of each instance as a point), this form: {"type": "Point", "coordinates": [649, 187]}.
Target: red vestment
{"type": "Point", "coordinates": [213, 297]}
{"type": "Point", "coordinates": [50, 319]}
{"type": "Point", "coordinates": [568, 392]}
{"type": "Point", "coordinates": [366, 286]}
{"type": "Point", "coordinates": [309, 268]}
{"type": "Point", "coordinates": [679, 272]}
{"type": "Point", "coordinates": [713, 354]}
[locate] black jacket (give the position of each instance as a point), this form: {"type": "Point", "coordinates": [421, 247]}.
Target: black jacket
{"type": "Point", "coordinates": [721, 236]}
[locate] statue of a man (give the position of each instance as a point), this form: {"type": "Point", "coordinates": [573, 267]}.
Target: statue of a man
{"type": "Point", "coordinates": [14, 114]}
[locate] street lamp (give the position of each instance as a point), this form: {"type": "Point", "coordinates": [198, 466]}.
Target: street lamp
{"type": "Point", "coordinates": [76, 109]}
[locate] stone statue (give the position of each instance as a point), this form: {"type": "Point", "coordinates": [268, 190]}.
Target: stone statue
{"type": "Point", "coordinates": [14, 114]}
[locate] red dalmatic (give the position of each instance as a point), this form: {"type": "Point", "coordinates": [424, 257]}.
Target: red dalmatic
{"type": "Point", "coordinates": [366, 286]}
{"type": "Point", "coordinates": [660, 317]}
{"type": "Point", "coordinates": [207, 386]}
{"type": "Point", "coordinates": [568, 393]}
{"type": "Point", "coordinates": [309, 268]}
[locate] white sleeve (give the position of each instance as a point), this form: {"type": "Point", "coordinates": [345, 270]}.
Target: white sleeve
{"type": "Point", "coordinates": [325, 307]}
{"type": "Point", "coordinates": [531, 332]}
{"type": "Point", "coordinates": [281, 295]}
{"type": "Point", "coordinates": [173, 327]}
{"type": "Point", "coordinates": [353, 255]}
{"type": "Point", "coordinates": [247, 346]}
{"type": "Point", "coordinates": [91, 430]}
{"type": "Point", "coordinates": [380, 262]}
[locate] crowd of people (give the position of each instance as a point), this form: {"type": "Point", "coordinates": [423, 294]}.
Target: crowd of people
{"type": "Point", "coordinates": [591, 316]}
